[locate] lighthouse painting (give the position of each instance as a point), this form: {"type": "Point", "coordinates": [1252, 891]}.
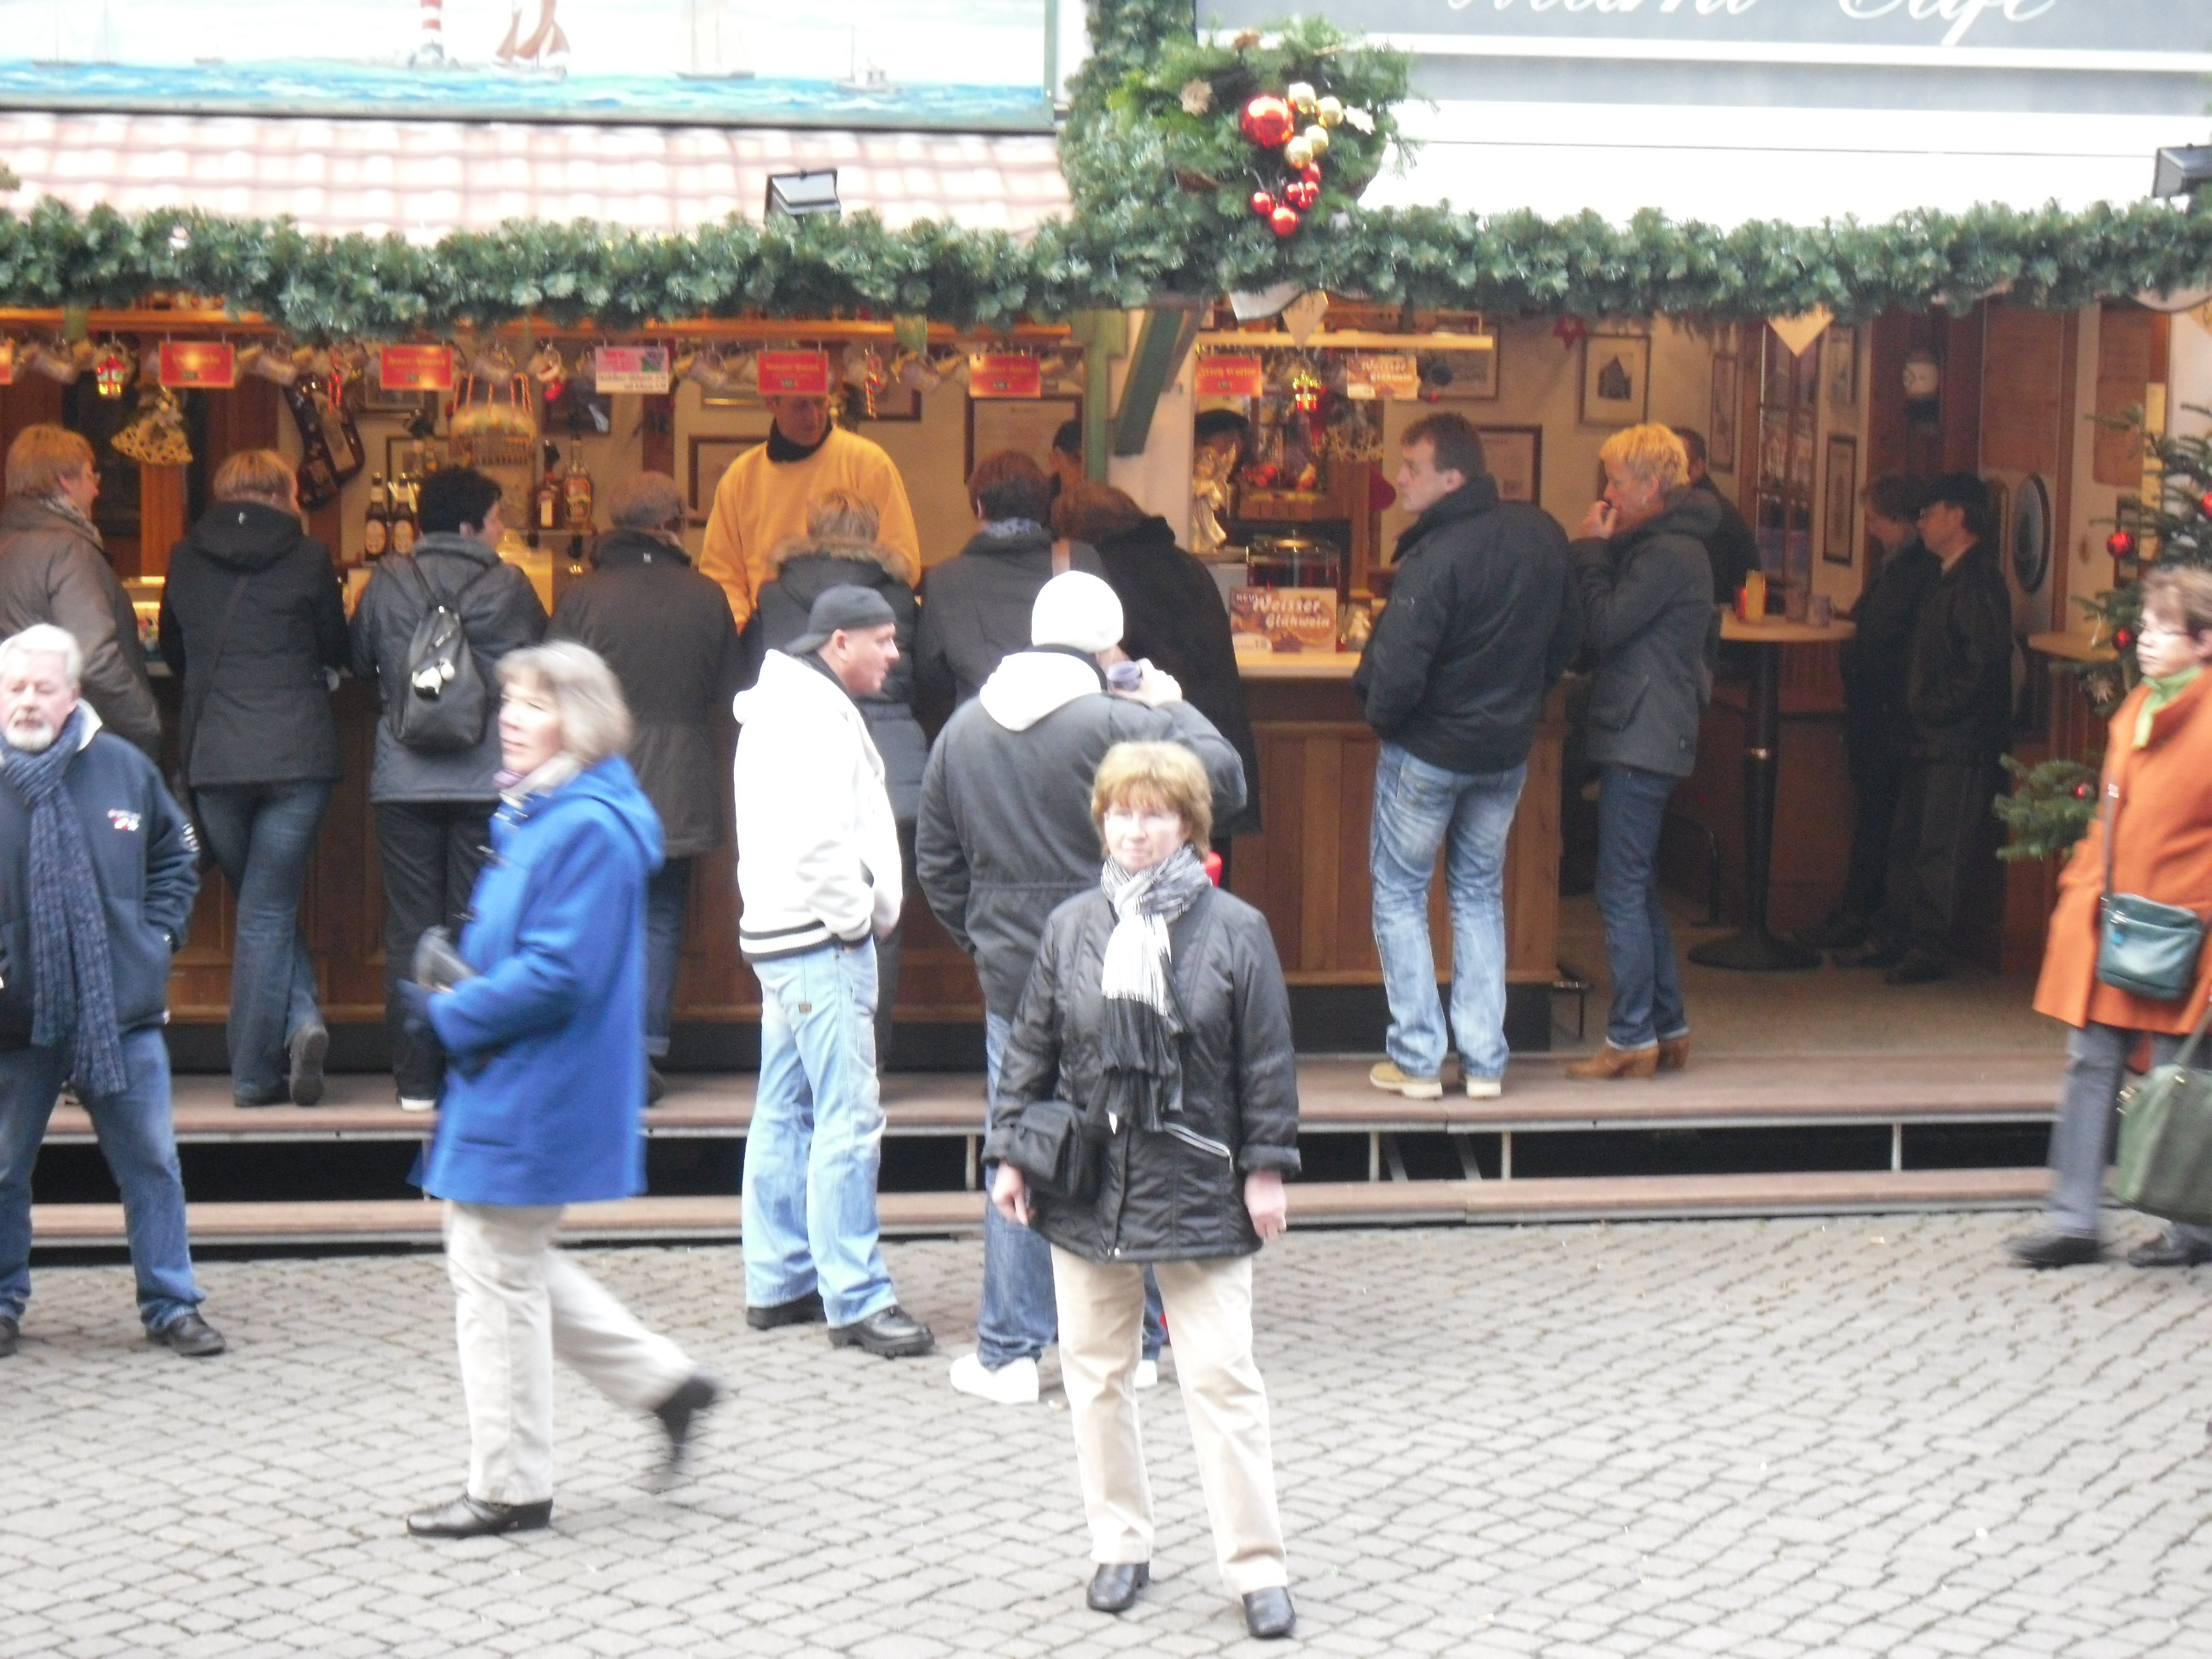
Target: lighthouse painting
{"type": "Point", "coordinates": [976, 65]}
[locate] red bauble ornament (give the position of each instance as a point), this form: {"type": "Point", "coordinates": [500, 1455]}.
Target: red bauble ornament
{"type": "Point", "coordinates": [1283, 220]}
{"type": "Point", "coordinates": [2204, 503]}
{"type": "Point", "coordinates": [2121, 544]}
{"type": "Point", "coordinates": [2125, 638]}
{"type": "Point", "coordinates": [1262, 204]}
{"type": "Point", "coordinates": [1302, 194]}
{"type": "Point", "coordinates": [1268, 121]}
{"type": "Point", "coordinates": [2081, 791]}
{"type": "Point", "coordinates": [1311, 172]}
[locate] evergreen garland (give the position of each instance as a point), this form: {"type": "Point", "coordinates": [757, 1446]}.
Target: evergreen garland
{"type": "Point", "coordinates": [1139, 232]}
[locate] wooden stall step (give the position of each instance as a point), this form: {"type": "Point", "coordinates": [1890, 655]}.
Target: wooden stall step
{"type": "Point", "coordinates": [1313, 1204]}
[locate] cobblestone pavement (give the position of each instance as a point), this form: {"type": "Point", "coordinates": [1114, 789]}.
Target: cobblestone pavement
{"type": "Point", "coordinates": [1857, 1436]}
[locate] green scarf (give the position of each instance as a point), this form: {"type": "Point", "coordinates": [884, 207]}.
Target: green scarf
{"type": "Point", "coordinates": [2164, 689]}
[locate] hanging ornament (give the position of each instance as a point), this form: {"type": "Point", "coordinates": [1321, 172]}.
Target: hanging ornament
{"type": "Point", "coordinates": [1329, 111]}
{"type": "Point", "coordinates": [2121, 544]}
{"type": "Point", "coordinates": [1302, 194]}
{"type": "Point", "coordinates": [155, 436]}
{"type": "Point", "coordinates": [1262, 204]}
{"type": "Point", "coordinates": [1299, 95]}
{"type": "Point", "coordinates": [1298, 154]}
{"type": "Point", "coordinates": [2204, 503]}
{"type": "Point", "coordinates": [54, 361]}
{"type": "Point", "coordinates": [112, 369]}
{"type": "Point", "coordinates": [1316, 137]}
{"type": "Point", "coordinates": [2123, 640]}
{"type": "Point", "coordinates": [1359, 119]}
{"type": "Point", "coordinates": [1267, 121]}
{"type": "Point", "coordinates": [1307, 389]}
{"type": "Point", "coordinates": [1197, 97]}
{"type": "Point", "coordinates": [2081, 792]}
{"type": "Point", "coordinates": [1283, 220]}
{"type": "Point", "coordinates": [1570, 332]}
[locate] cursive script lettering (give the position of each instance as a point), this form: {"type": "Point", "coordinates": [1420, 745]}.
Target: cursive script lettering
{"type": "Point", "coordinates": [1961, 14]}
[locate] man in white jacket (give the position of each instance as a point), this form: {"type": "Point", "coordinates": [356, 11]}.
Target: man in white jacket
{"type": "Point", "coordinates": [819, 880]}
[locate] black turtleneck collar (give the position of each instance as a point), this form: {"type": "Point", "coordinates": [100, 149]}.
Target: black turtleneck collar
{"type": "Point", "coordinates": [781, 448]}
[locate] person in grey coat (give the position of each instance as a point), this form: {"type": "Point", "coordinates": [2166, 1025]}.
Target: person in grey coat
{"type": "Point", "coordinates": [1648, 617]}
{"type": "Point", "coordinates": [433, 810]}
{"type": "Point", "coordinates": [840, 548]}
{"type": "Point", "coordinates": [665, 631]}
{"type": "Point", "coordinates": [53, 568]}
{"type": "Point", "coordinates": [1006, 833]}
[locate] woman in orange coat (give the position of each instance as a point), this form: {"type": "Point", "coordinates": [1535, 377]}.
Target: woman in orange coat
{"type": "Point", "coordinates": [2157, 811]}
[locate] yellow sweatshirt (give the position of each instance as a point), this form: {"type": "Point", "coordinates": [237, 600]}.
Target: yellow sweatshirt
{"type": "Point", "coordinates": [760, 503]}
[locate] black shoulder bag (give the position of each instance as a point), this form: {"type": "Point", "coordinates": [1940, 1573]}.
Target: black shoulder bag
{"type": "Point", "coordinates": [180, 783]}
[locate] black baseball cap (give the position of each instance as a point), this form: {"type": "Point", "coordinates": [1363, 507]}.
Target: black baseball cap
{"type": "Point", "coordinates": [845, 608]}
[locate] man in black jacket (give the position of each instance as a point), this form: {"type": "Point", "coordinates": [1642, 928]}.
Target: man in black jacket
{"type": "Point", "coordinates": [98, 868]}
{"type": "Point", "coordinates": [1482, 621]}
{"type": "Point", "coordinates": [1958, 706]}
{"type": "Point", "coordinates": [1732, 545]}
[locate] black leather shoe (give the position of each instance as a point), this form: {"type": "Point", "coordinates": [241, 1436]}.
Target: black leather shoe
{"type": "Point", "coordinates": [799, 1310]}
{"type": "Point", "coordinates": [10, 1330]}
{"type": "Point", "coordinates": [471, 1517]}
{"type": "Point", "coordinates": [192, 1337]}
{"type": "Point", "coordinates": [308, 1046]}
{"type": "Point", "coordinates": [1918, 968]}
{"type": "Point", "coordinates": [1874, 953]}
{"type": "Point", "coordinates": [1839, 932]}
{"type": "Point", "coordinates": [1269, 1614]}
{"type": "Point", "coordinates": [1114, 1587]}
{"type": "Point", "coordinates": [889, 1333]}
{"type": "Point", "coordinates": [2169, 1250]}
{"type": "Point", "coordinates": [679, 1414]}
{"type": "Point", "coordinates": [2056, 1249]}
{"type": "Point", "coordinates": [655, 1084]}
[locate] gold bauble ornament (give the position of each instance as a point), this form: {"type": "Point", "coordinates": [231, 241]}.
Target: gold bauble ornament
{"type": "Point", "coordinates": [1301, 95]}
{"type": "Point", "coordinates": [1330, 110]}
{"type": "Point", "coordinates": [1317, 139]}
{"type": "Point", "coordinates": [1298, 152]}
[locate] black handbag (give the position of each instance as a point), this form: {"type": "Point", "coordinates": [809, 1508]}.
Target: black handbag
{"type": "Point", "coordinates": [2143, 947]}
{"type": "Point", "coordinates": [1056, 1153]}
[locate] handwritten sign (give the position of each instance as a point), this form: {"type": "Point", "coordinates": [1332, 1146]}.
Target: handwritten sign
{"type": "Point", "coordinates": [1005, 374]}
{"type": "Point", "coordinates": [794, 373]}
{"type": "Point", "coordinates": [1222, 375]}
{"type": "Point", "coordinates": [199, 365]}
{"type": "Point", "coordinates": [631, 368]}
{"type": "Point", "coordinates": [1264, 620]}
{"type": "Point", "coordinates": [1382, 374]}
{"type": "Point", "coordinates": [414, 368]}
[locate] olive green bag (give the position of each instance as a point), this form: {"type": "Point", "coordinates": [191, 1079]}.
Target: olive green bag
{"type": "Point", "coordinates": [2164, 1165]}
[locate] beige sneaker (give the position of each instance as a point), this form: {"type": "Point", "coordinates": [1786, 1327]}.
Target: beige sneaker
{"type": "Point", "coordinates": [1483, 1088]}
{"type": "Point", "coordinates": [1386, 1076]}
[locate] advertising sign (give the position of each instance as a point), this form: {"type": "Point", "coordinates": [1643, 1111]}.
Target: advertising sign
{"type": "Point", "coordinates": [794, 373]}
{"type": "Point", "coordinates": [1005, 374]}
{"type": "Point", "coordinates": [1282, 619]}
{"type": "Point", "coordinates": [631, 368]}
{"type": "Point", "coordinates": [199, 365]}
{"type": "Point", "coordinates": [1221, 376]}
{"type": "Point", "coordinates": [414, 368]}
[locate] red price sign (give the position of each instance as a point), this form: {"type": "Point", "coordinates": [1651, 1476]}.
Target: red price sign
{"type": "Point", "coordinates": [199, 365]}
{"type": "Point", "coordinates": [1220, 376]}
{"type": "Point", "coordinates": [795, 374]}
{"type": "Point", "coordinates": [1005, 374]}
{"type": "Point", "coordinates": [416, 369]}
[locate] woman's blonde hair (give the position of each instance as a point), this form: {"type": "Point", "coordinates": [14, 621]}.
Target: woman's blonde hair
{"type": "Point", "coordinates": [2180, 596]}
{"type": "Point", "coordinates": [1163, 775]}
{"type": "Point", "coordinates": [42, 456]}
{"type": "Point", "coordinates": [594, 719]}
{"type": "Point", "coordinates": [257, 475]}
{"type": "Point", "coordinates": [1650, 453]}
{"type": "Point", "coordinates": [839, 515]}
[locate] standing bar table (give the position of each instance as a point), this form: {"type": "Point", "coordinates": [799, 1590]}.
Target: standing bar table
{"type": "Point", "coordinates": [1754, 949]}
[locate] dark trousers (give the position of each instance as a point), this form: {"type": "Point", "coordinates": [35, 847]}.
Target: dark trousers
{"type": "Point", "coordinates": [1639, 947]}
{"type": "Point", "coordinates": [429, 851]}
{"type": "Point", "coordinates": [667, 900]}
{"type": "Point", "coordinates": [1877, 765]}
{"type": "Point", "coordinates": [263, 835]}
{"type": "Point", "coordinates": [1944, 814]}
{"type": "Point", "coordinates": [892, 948]}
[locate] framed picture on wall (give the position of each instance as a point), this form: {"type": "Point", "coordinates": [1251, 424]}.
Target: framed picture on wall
{"type": "Point", "coordinates": [1459, 376]}
{"type": "Point", "coordinates": [712, 453]}
{"type": "Point", "coordinates": [1837, 546]}
{"type": "Point", "coordinates": [1721, 424]}
{"type": "Point", "coordinates": [1616, 386]}
{"type": "Point", "coordinates": [1515, 456]}
{"type": "Point", "coordinates": [1843, 362]}
{"type": "Point", "coordinates": [1023, 424]}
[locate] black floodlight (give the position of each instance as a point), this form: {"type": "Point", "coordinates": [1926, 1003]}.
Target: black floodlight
{"type": "Point", "coordinates": [2182, 170]}
{"type": "Point", "coordinates": [795, 195]}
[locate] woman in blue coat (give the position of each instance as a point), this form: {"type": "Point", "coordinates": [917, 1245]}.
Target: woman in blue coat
{"type": "Point", "coordinates": [546, 1091]}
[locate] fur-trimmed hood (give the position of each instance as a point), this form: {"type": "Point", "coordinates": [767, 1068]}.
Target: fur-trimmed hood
{"type": "Point", "coordinates": [893, 562]}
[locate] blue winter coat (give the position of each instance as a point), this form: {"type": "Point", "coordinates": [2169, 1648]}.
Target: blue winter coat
{"type": "Point", "coordinates": [546, 1104]}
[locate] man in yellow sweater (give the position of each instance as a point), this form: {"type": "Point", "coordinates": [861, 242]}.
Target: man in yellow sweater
{"type": "Point", "coordinates": [763, 498]}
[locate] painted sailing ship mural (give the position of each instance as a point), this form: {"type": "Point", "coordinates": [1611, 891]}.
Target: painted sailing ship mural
{"type": "Point", "coordinates": [969, 65]}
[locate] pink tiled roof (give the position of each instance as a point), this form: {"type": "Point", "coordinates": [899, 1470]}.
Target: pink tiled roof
{"type": "Point", "coordinates": [423, 179]}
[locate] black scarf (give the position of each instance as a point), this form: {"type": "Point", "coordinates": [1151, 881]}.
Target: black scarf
{"type": "Point", "coordinates": [74, 999]}
{"type": "Point", "coordinates": [1140, 1057]}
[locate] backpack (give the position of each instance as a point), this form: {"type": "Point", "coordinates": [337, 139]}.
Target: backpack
{"type": "Point", "coordinates": [445, 705]}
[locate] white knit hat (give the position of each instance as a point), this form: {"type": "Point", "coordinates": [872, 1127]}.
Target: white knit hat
{"type": "Point", "coordinates": [1077, 610]}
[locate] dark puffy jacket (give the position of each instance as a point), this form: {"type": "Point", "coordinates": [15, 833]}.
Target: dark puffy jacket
{"type": "Point", "coordinates": [1731, 545]}
{"type": "Point", "coordinates": [1177, 1193]}
{"type": "Point", "coordinates": [1959, 688]}
{"type": "Point", "coordinates": [499, 613]}
{"type": "Point", "coordinates": [1005, 833]}
{"type": "Point", "coordinates": [666, 632]}
{"type": "Point", "coordinates": [53, 569]}
{"type": "Point", "coordinates": [1172, 613]}
{"type": "Point", "coordinates": [802, 571]}
{"type": "Point", "coordinates": [1648, 616]}
{"type": "Point", "coordinates": [148, 866]}
{"type": "Point", "coordinates": [1483, 619]}
{"type": "Point", "coordinates": [265, 717]}
{"type": "Point", "coordinates": [975, 612]}
{"type": "Point", "coordinates": [1877, 661]}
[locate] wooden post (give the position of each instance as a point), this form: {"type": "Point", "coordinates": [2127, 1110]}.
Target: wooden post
{"type": "Point", "coordinates": [161, 504]}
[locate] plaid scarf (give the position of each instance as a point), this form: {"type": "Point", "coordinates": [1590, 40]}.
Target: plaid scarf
{"type": "Point", "coordinates": [1140, 1058]}
{"type": "Point", "coordinates": [74, 1002]}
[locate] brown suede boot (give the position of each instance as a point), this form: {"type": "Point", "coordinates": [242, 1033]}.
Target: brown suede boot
{"type": "Point", "coordinates": [1611, 1062]}
{"type": "Point", "coordinates": [1674, 1053]}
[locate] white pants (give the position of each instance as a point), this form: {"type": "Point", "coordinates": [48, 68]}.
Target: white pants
{"type": "Point", "coordinates": [518, 1303]}
{"type": "Point", "coordinates": [1209, 1309]}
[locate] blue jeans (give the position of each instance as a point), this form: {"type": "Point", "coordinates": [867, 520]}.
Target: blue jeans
{"type": "Point", "coordinates": [263, 835]}
{"type": "Point", "coordinates": [141, 1149]}
{"type": "Point", "coordinates": [816, 1137]}
{"type": "Point", "coordinates": [1020, 1317]}
{"type": "Point", "coordinates": [1418, 808]}
{"type": "Point", "coordinates": [667, 898]}
{"type": "Point", "coordinates": [1639, 949]}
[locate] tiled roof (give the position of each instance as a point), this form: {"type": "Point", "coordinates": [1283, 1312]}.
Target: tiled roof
{"type": "Point", "coordinates": [426, 177]}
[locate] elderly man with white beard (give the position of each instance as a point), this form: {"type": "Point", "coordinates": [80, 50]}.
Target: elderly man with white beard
{"type": "Point", "coordinates": [98, 868]}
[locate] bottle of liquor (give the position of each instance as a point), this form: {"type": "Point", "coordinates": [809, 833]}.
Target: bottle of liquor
{"type": "Point", "coordinates": [403, 523]}
{"type": "Point", "coordinates": [578, 492]}
{"type": "Point", "coordinates": [546, 522]}
{"type": "Point", "coordinates": [376, 528]}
